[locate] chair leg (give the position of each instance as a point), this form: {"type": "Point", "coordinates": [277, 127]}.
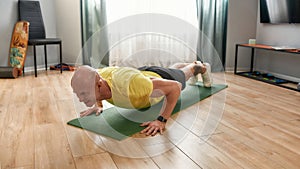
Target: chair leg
{"type": "Point", "coordinates": [60, 57]}
{"type": "Point", "coordinates": [45, 50]}
{"type": "Point", "coordinates": [34, 58]}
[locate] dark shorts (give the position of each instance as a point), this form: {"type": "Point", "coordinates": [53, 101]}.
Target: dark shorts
{"type": "Point", "coordinates": [166, 73]}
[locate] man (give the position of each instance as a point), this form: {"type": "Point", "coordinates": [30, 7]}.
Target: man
{"type": "Point", "coordinates": [137, 88]}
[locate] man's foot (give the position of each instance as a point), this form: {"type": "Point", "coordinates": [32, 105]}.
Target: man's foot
{"type": "Point", "coordinates": [198, 68]}
{"type": "Point", "coordinates": [206, 76]}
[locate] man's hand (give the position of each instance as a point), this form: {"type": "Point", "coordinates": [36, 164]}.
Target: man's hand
{"type": "Point", "coordinates": [153, 127]}
{"type": "Point", "coordinates": [94, 109]}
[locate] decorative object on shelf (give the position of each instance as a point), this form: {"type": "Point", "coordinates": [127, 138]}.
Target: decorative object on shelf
{"type": "Point", "coordinates": [283, 48]}
{"type": "Point", "coordinates": [252, 41]}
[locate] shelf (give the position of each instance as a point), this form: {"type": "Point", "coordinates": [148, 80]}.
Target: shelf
{"type": "Point", "coordinates": [265, 77]}
{"type": "Point", "coordinates": [285, 49]}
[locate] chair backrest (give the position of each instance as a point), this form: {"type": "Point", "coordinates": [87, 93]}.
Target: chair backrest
{"type": "Point", "coordinates": [31, 11]}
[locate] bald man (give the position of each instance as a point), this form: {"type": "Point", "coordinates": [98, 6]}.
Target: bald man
{"type": "Point", "coordinates": [137, 88]}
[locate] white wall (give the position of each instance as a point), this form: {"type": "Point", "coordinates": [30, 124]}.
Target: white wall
{"type": "Point", "coordinates": [69, 28]}
{"type": "Point", "coordinates": [281, 64]}
{"type": "Point", "coordinates": [61, 19]}
{"type": "Point", "coordinates": [243, 24]}
{"type": "Point", "coordinates": [8, 10]}
{"type": "Point", "coordinates": [241, 27]}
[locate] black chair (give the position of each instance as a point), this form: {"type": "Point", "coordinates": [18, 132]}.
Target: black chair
{"type": "Point", "coordinates": [31, 11]}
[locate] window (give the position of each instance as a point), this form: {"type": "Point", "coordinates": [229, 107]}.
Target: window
{"type": "Point", "coordinates": [183, 9]}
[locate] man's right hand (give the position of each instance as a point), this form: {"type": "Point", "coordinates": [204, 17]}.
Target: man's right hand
{"type": "Point", "coordinates": [95, 109]}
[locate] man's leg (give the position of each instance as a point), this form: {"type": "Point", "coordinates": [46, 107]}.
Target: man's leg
{"type": "Point", "coordinates": [206, 76]}
{"type": "Point", "coordinates": [191, 70]}
{"type": "Point", "coordinates": [179, 65]}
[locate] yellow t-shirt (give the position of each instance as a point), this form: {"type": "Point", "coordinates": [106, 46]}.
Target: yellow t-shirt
{"type": "Point", "coordinates": [130, 87]}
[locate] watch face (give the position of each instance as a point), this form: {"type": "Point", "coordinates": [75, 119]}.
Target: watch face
{"type": "Point", "coordinates": [161, 118]}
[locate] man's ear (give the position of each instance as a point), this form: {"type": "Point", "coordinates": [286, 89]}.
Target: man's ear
{"type": "Point", "coordinates": [99, 83]}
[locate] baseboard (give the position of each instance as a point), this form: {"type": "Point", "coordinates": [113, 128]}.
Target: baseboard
{"type": "Point", "coordinates": [231, 69]}
{"type": "Point", "coordinates": [28, 69]}
{"type": "Point", "coordinates": [31, 68]}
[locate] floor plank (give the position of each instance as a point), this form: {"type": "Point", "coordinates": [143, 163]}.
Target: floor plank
{"type": "Point", "coordinates": [16, 125]}
{"type": "Point", "coordinates": [17, 144]}
{"type": "Point", "coordinates": [102, 160]}
{"type": "Point", "coordinates": [286, 140]}
{"type": "Point", "coordinates": [52, 150]}
{"type": "Point", "coordinates": [232, 148]}
{"type": "Point", "coordinates": [80, 142]}
{"type": "Point", "coordinates": [127, 163]}
{"type": "Point", "coordinates": [174, 159]}
{"type": "Point", "coordinates": [275, 152]}
{"type": "Point", "coordinates": [205, 155]}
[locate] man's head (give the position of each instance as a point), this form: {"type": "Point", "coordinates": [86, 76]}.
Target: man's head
{"type": "Point", "coordinates": [84, 83]}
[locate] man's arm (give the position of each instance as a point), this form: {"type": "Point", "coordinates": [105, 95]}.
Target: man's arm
{"type": "Point", "coordinates": [171, 90]}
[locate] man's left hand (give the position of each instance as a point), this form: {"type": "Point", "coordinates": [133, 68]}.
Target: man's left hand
{"type": "Point", "coordinates": [153, 127]}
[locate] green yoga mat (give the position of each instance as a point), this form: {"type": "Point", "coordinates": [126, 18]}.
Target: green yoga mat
{"type": "Point", "coordinates": [119, 123]}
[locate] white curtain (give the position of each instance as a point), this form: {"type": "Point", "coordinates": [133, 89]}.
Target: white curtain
{"type": "Point", "coordinates": [151, 32]}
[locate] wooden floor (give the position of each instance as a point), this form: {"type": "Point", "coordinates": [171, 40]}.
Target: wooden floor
{"type": "Point", "coordinates": [259, 128]}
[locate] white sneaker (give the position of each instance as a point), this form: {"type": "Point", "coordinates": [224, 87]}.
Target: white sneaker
{"type": "Point", "coordinates": [193, 80]}
{"type": "Point", "coordinates": [206, 76]}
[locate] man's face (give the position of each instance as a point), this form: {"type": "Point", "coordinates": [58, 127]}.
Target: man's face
{"type": "Point", "coordinates": [86, 94]}
{"type": "Point", "coordinates": [83, 84]}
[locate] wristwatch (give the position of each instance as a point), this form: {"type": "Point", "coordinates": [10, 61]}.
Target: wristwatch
{"type": "Point", "coordinates": [161, 119]}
